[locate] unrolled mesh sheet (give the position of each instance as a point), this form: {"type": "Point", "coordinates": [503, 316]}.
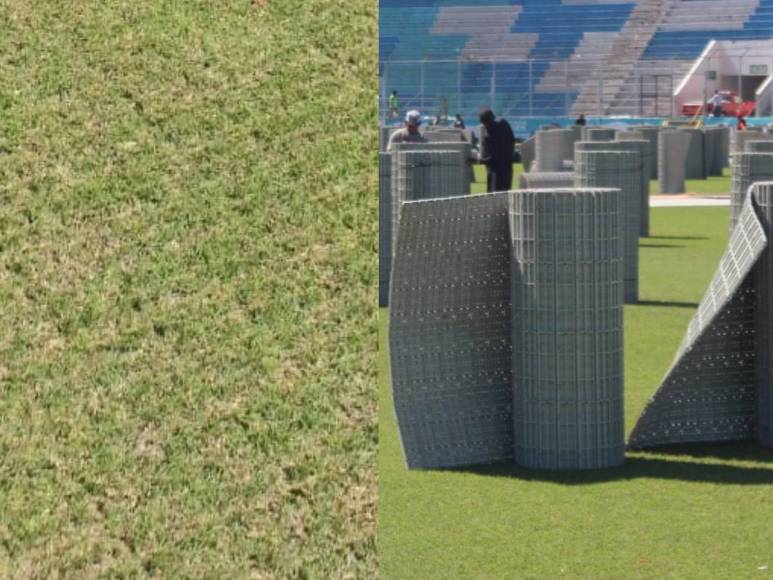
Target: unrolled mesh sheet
{"type": "Point", "coordinates": [449, 332]}
{"type": "Point", "coordinates": [708, 394]}
{"type": "Point", "coordinates": [384, 226]}
{"type": "Point", "coordinates": [748, 168]}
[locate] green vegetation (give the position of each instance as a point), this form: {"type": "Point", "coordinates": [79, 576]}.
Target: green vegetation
{"type": "Point", "coordinates": [711, 186]}
{"type": "Point", "coordinates": [187, 264]}
{"type": "Point", "coordinates": [690, 512]}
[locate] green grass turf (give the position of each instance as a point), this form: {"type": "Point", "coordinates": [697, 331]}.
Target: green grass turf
{"type": "Point", "coordinates": [694, 512]}
{"type": "Point", "coordinates": [187, 276]}
{"type": "Point", "coordinates": [719, 185]}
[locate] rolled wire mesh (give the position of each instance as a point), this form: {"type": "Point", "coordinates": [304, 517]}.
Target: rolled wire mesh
{"type": "Point", "coordinates": [672, 157]}
{"type": "Point", "coordinates": [567, 341]}
{"type": "Point", "coordinates": [553, 147]}
{"type": "Point", "coordinates": [650, 133]}
{"type": "Point", "coordinates": [623, 170]}
{"type": "Point", "coordinates": [747, 168]}
{"type": "Point", "coordinates": [762, 198]}
{"type": "Point", "coordinates": [384, 226]}
{"type": "Point", "coordinates": [449, 332]}
{"type": "Point", "coordinates": [597, 134]}
{"type": "Point", "coordinates": [722, 152]}
{"type": "Point", "coordinates": [546, 180]}
{"type": "Point", "coordinates": [758, 147]}
{"type": "Point", "coordinates": [708, 394]}
{"type": "Point", "coordinates": [643, 147]}
{"type": "Point", "coordinates": [444, 136]}
{"type": "Point", "coordinates": [694, 164]}
{"type": "Point", "coordinates": [423, 171]}
{"type": "Point", "coordinates": [528, 151]}
{"type": "Point", "coordinates": [741, 137]}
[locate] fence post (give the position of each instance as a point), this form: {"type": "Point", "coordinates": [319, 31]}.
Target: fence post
{"type": "Point", "coordinates": [493, 84]}
{"type": "Point", "coordinates": [600, 98]}
{"type": "Point", "coordinates": [671, 88]}
{"type": "Point", "coordinates": [740, 78]}
{"type": "Point", "coordinates": [421, 85]}
{"type": "Point", "coordinates": [458, 82]}
{"type": "Point", "coordinates": [531, 91]}
{"type": "Point", "coordinates": [383, 105]}
{"type": "Point", "coordinates": [566, 87]}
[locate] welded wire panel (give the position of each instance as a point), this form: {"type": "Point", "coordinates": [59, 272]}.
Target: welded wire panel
{"type": "Point", "coordinates": [567, 303]}
{"type": "Point", "coordinates": [741, 137]}
{"type": "Point", "coordinates": [748, 168]}
{"type": "Point", "coordinates": [449, 332]}
{"type": "Point", "coordinates": [623, 170]}
{"type": "Point", "coordinates": [673, 146]}
{"type": "Point", "coordinates": [546, 179]}
{"type": "Point", "coordinates": [384, 226]}
{"type": "Point", "coordinates": [650, 133]}
{"type": "Point", "coordinates": [762, 197]}
{"type": "Point", "coordinates": [708, 394]}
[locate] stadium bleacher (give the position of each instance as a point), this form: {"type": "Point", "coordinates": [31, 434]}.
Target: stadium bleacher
{"type": "Point", "coordinates": [550, 57]}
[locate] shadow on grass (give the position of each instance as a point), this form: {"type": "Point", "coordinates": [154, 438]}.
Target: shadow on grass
{"type": "Point", "coordinates": [666, 304]}
{"type": "Point", "coordinates": [676, 238]}
{"type": "Point", "coordinates": [734, 450]}
{"type": "Point", "coordinates": [660, 245]}
{"type": "Point", "coordinates": [641, 465]}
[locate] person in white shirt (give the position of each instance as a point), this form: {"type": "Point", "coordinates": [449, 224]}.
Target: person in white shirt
{"type": "Point", "coordinates": [716, 102]}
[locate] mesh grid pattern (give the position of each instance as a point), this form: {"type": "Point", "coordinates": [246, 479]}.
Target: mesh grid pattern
{"type": "Point", "coordinates": [747, 169]}
{"type": "Point", "coordinates": [622, 170]}
{"type": "Point", "coordinates": [567, 305]}
{"type": "Point", "coordinates": [708, 394]}
{"type": "Point", "coordinates": [449, 332]}
{"type": "Point", "coordinates": [672, 158]}
{"type": "Point", "coordinates": [553, 147]}
{"type": "Point", "coordinates": [384, 226]}
{"type": "Point", "coordinates": [547, 179]}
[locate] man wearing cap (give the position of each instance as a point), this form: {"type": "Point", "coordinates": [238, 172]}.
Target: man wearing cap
{"type": "Point", "coordinates": [497, 144]}
{"type": "Point", "coordinates": [409, 133]}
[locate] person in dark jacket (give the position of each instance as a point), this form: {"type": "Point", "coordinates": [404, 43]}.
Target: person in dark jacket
{"type": "Point", "coordinates": [497, 144]}
{"type": "Point", "coordinates": [580, 120]}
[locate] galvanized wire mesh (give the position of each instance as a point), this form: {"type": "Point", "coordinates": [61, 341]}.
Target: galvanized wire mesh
{"type": "Point", "coordinates": [650, 133]}
{"type": "Point", "coordinates": [553, 147]}
{"type": "Point", "coordinates": [549, 179]}
{"type": "Point", "coordinates": [528, 151]}
{"type": "Point", "coordinates": [708, 394]}
{"type": "Point", "coordinates": [384, 226]}
{"type": "Point", "coordinates": [672, 158]}
{"type": "Point", "coordinates": [597, 134]}
{"type": "Point", "coordinates": [567, 307]}
{"type": "Point", "coordinates": [643, 147]}
{"type": "Point", "coordinates": [762, 197]}
{"type": "Point", "coordinates": [747, 169]}
{"type": "Point", "coordinates": [758, 147]}
{"type": "Point", "coordinates": [623, 170]}
{"type": "Point", "coordinates": [449, 332]}
{"type": "Point", "coordinates": [694, 164]}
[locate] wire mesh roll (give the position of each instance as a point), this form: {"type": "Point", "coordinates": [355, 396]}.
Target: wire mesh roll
{"type": "Point", "coordinates": [384, 226]}
{"type": "Point", "coordinates": [567, 303]}
{"type": "Point", "coordinates": [623, 170]}
{"type": "Point", "coordinates": [762, 194]}
{"type": "Point", "coordinates": [643, 147]}
{"type": "Point", "coordinates": [449, 332]}
{"type": "Point", "coordinates": [424, 172]}
{"type": "Point", "coordinates": [650, 133]}
{"type": "Point", "coordinates": [546, 180]}
{"type": "Point", "coordinates": [552, 148]}
{"type": "Point", "coordinates": [528, 151]}
{"type": "Point", "coordinates": [741, 137]}
{"type": "Point", "coordinates": [747, 169]}
{"type": "Point", "coordinates": [672, 156]}
{"type": "Point", "coordinates": [694, 164]}
{"type": "Point", "coordinates": [758, 147]}
{"type": "Point", "coordinates": [598, 134]}
{"type": "Point", "coordinates": [444, 136]}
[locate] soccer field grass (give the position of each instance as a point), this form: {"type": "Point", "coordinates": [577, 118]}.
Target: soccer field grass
{"type": "Point", "coordinates": [690, 512]}
{"type": "Point", "coordinates": [187, 271]}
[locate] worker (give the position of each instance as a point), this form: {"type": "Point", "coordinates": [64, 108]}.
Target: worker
{"type": "Point", "coordinates": [580, 120]}
{"type": "Point", "coordinates": [497, 145]}
{"type": "Point", "coordinates": [409, 133]}
{"type": "Point", "coordinates": [393, 105]}
{"type": "Point", "coordinates": [741, 123]}
{"type": "Point", "coordinates": [716, 104]}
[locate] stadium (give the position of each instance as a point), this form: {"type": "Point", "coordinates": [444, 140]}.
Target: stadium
{"type": "Point", "coordinates": [575, 266]}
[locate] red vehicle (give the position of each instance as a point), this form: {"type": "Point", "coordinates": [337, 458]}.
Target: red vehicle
{"type": "Point", "coordinates": [731, 106]}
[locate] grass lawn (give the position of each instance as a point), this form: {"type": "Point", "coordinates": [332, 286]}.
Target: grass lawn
{"type": "Point", "coordinates": [711, 186]}
{"type": "Point", "coordinates": [187, 274]}
{"type": "Point", "coordinates": [690, 512]}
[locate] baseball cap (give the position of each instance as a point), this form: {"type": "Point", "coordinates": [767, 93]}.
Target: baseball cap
{"type": "Point", "coordinates": [413, 118]}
